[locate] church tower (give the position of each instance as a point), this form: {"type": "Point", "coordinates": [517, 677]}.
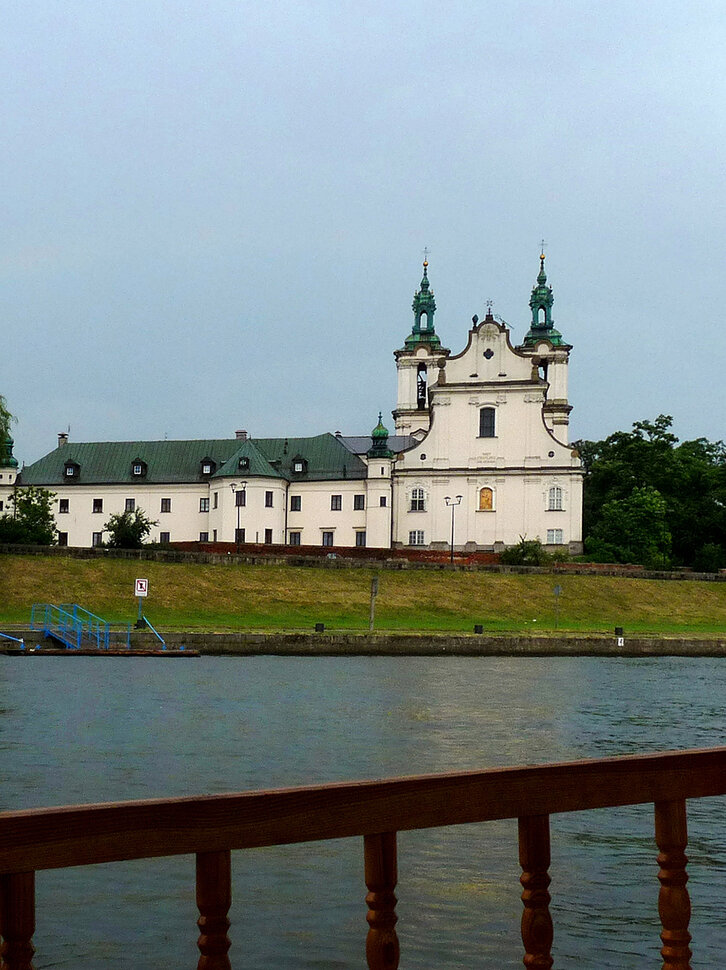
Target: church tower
{"type": "Point", "coordinates": [550, 354]}
{"type": "Point", "coordinates": [417, 364]}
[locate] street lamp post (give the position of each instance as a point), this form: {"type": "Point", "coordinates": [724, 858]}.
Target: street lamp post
{"type": "Point", "coordinates": [452, 503]}
{"type": "Point", "coordinates": [242, 488]}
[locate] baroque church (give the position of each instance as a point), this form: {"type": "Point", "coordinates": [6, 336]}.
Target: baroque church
{"type": "Point", "coordinates": [480, 451]}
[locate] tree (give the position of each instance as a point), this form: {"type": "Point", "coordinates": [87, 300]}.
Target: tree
{"type": "Point", "coordinates": [689, 476]}
{"type": "Point", "coordinates": [127, 530]}
{"type": "Point", "coordinates": [527, 552]}
{"type": "Point", "coordinates": [6, 419]}
{"type": "Point", "coordinates": [632, 529]}
{"type": "Point", "coordinates": [32, 521]}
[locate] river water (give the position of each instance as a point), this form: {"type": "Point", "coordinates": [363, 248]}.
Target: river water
{"type": "Point", "coordinates": [87, 730]}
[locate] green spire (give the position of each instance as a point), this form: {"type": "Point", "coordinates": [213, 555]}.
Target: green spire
{"type": "Point", "coordinates": [424, 307]}
{"type": "Point", "coordinates": [542, 326]}
{"type": "Point", "coordinates": [379, 445]}
{"type": "Point", "coordinates": [6, 454]}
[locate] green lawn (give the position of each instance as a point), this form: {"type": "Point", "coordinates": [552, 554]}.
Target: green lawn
{"type": "Point", "coordinates": [236, 597]}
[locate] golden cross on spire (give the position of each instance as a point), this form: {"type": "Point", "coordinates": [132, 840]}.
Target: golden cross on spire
{"type": "Point", "coordinates": [426, 252]}
{"type": "Point", "coordinates": [542, 249]}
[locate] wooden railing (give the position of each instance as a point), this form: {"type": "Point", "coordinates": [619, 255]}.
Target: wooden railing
{"type": "Point", "coordinates": [212, 826]}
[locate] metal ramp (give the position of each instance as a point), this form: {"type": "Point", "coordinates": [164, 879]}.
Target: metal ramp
{"type": "Point", "coordinates": [78, 629]}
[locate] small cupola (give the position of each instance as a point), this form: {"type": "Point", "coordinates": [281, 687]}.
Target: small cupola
{"type": "Point", "coordinates": [7, 460]}
{"type": "Point", "coordinates": [379, 441]}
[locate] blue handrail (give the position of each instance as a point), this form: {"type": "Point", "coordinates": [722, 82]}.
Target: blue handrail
{"type": "Point", "coordinates": [76, 627]}
{"type": "Point", "coordinates": [6, 636]}
{"type": "Point", "coordinates": [156, 633]}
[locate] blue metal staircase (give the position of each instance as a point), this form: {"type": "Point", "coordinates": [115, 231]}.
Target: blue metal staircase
{"type": "Point", "coordinates": [77, 629]}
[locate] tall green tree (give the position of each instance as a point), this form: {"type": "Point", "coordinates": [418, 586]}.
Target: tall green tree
{"type": "Point", "coordinates": [32, 521]}
{"type": "Point", "coordinates": [633, 529]}
{"type": "Point", "coordinates": [689, 476]}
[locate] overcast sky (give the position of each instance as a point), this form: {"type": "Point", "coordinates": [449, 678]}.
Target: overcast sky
{"type": "Point", "coordinates": [214, 213]}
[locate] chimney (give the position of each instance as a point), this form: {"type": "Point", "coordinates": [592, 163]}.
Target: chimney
{"type": "Point", "coordinates": [62, 438]}
{"type": "Point", "coordinates": [241, 435]}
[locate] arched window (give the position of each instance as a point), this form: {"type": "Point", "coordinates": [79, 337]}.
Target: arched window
{"type": "Point", "coordinates": [421, 387]}
{"type": "Point", "coordinates": [486, 423]}
{"type": "Point", "coordinates": [486, 499]}
{"type": "Point", "coordinates": [418, 500]}
{"type": "Point", "coordinates": [423, 321]}
{"type": "Point", "coordinates": [554, 499]}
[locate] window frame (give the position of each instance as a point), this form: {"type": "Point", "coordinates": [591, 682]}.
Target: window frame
{"type": "Point", "coordinates": [328, 538]}
{"type": "Point", "coordinates": [269, 498]}
{"type": "Point", "coordinates": [336, 503]}
{"type": "Point", "coordinates": [417, 499]}
{"type": "Point", "coordinates": [417, 537]}
{"type": "Point", "coordinates": [129, 505]}
{"type": "Point", "coordinates": [359, 502]}
{"type": "Point", "coordinates": [97, 507]}
{"type": "Point", "coordinates": [487, 421]}
{"type": "Point", "coordinates": [204, 503]}
{"type": "Point", "coordinates": [294, 538]}
{"type": "Point", "coordinates": [63, 506]}
{"type": "Point", "coordinates": [296, 503]}
{"type": "Point", "coordinates": [165, 506]}
{"type": "Point", "coordinates": [555, 499]}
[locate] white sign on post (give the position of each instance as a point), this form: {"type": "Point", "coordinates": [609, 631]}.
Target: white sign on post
{"type": "Point", "coordinates": [142, 587]}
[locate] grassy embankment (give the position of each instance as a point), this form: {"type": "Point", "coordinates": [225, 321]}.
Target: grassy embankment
{"type": "Point", "coordinates": [232, 597]}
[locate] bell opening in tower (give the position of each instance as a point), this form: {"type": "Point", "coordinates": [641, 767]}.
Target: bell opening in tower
{"type": "Point", "coordinates": [421, 387]}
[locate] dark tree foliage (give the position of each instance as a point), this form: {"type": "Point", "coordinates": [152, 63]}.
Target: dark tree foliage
{"type": "Point", "coordinates": [6, 419]}
{"type": "Point", "coordinates": [689, 476]}
{"type": "Point", "coordinates": [32, 521]}
{"type": "Point", "coordinates": [127, 530]}
{"type": "Point", "coordinates": [527, 552]}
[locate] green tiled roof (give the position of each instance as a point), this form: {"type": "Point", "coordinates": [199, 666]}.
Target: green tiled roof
{"type": "Point", "coordinates": [176, 462]}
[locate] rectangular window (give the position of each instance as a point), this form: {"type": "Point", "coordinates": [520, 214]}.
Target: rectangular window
{"type": "Point", "coordinates": [1, 505]}
{"type": "Point", "coordinates": [384, 501]}
{"type": "Point", "coordinates": [359, 501]}
{"type": "Point", "coordinates": [554, 537]}
{"type": "Point", "coordinates": [268, 536]}
{"type": "Point", "coordinates": [204, 504]}
{"type": "Point", "coordinates": [336, 503]}
{"type": "Point", "coordinates": [98, 505]}
{"type": "Point", "coordinates": [295, 503]}
{"type": "Point", "coordinates": [215, 502]}
{"type": "Point", "coordinates": [554, 499]}
{"type": "Point", "coordinates": [418, 500]}
{"type": "Point", "coordinates": [166, 505]}
{"type": "Point", "coordinates": [204, 537]}
{"type": "Point", "coordinates": [240, 498]}
{"type": "Point", "coordinates": [138, 470]}
{"type": "Point", "coordinates": [164, 537]}
{"type": "Point", "coordinates": [62, 505]}
{"type": "Point", "coordinates": [214, 534]}
{"type": "Point", "coordinates": [486, 423]}
{"type": "Point", "coordinates": [268, 500]}
{"type": "Point", "coordinates": [62, 538]}
{"type": "Point", "coordinates": [97, 539]}
{"type": "Point", "coordinates": [294, 539]}
{"type": "Point", "coordinates": [416, 538]}
{"type": "Point", "coordinates": [130, 505]}
{"type": "Point", "coordinates": [239, 535]}
{"type": "Point", "coordinates": [327, 538]}
{"type": "Point", "coordinates": [360, 538]}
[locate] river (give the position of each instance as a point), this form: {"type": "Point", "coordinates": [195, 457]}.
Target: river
{"type": "Point", "coordinates": [84, 729]}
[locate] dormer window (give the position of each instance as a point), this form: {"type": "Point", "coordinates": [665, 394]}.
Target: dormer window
{"type": "Point", "coordinates": [71, 469]}
{"type": "Point", "coordinates": [299, 465]}
{"type": "Point", "coordinates": [208, 466]}
{"type": "Point", "coordinates": [243, 464]}
{"type": "Point", "coordinates": [138, 469]}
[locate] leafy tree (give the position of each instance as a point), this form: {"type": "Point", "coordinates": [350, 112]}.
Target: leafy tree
{"type": "Point", "coordinates": [32, 521]}
{"type": "Point", "coordinates": [127, 530]}
{"type": "Point", "coordinates": [632, 529]}
{"type": "Point", "coordinates": [690, 476]}
{"type": "Point", "coordinates": [6, 419]}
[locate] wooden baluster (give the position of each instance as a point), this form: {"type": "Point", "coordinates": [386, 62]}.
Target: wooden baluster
{"type": "Point", "coordinates": [534, 858]}
{"type": "Point", "coordinates": [17, 920]}
{"type": "Point", "coordinates": [214, 896]}
{"type": "Point", "coordinates": [674, 904]}
{"type": "Point", "coordinates": [381, 875]}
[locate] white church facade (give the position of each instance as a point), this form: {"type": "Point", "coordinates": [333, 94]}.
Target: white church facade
{"type": "Point", "coordinates": [484, 431]}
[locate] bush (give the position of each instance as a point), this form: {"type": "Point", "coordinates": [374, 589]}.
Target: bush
{"type": "Point", "coordinates": [527, 552]}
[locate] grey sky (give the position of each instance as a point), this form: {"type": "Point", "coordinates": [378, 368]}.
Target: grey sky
{"type": "Point", "coordinates": [214, 212]}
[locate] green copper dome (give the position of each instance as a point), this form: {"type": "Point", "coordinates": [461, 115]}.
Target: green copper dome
{"type": "Point", "coordinates": [6, 454]}
{"type": "Point", "coordinates": [379, 444]}
{"type": "Point", "coordinates": [540, 303]}
{"type": "Point", "coordinates": [424, 307]}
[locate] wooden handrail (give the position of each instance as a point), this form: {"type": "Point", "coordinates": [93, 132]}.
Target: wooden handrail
{"type": "Point", "coordinates": [211, 826]}
{"type": "Point", "coordinates": [50, 838]}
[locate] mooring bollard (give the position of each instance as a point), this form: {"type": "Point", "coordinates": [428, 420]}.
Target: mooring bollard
{"type": "Point", "coordinates": [319, 627]}
{"type": "Point", "coordinates": [478, 628]}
